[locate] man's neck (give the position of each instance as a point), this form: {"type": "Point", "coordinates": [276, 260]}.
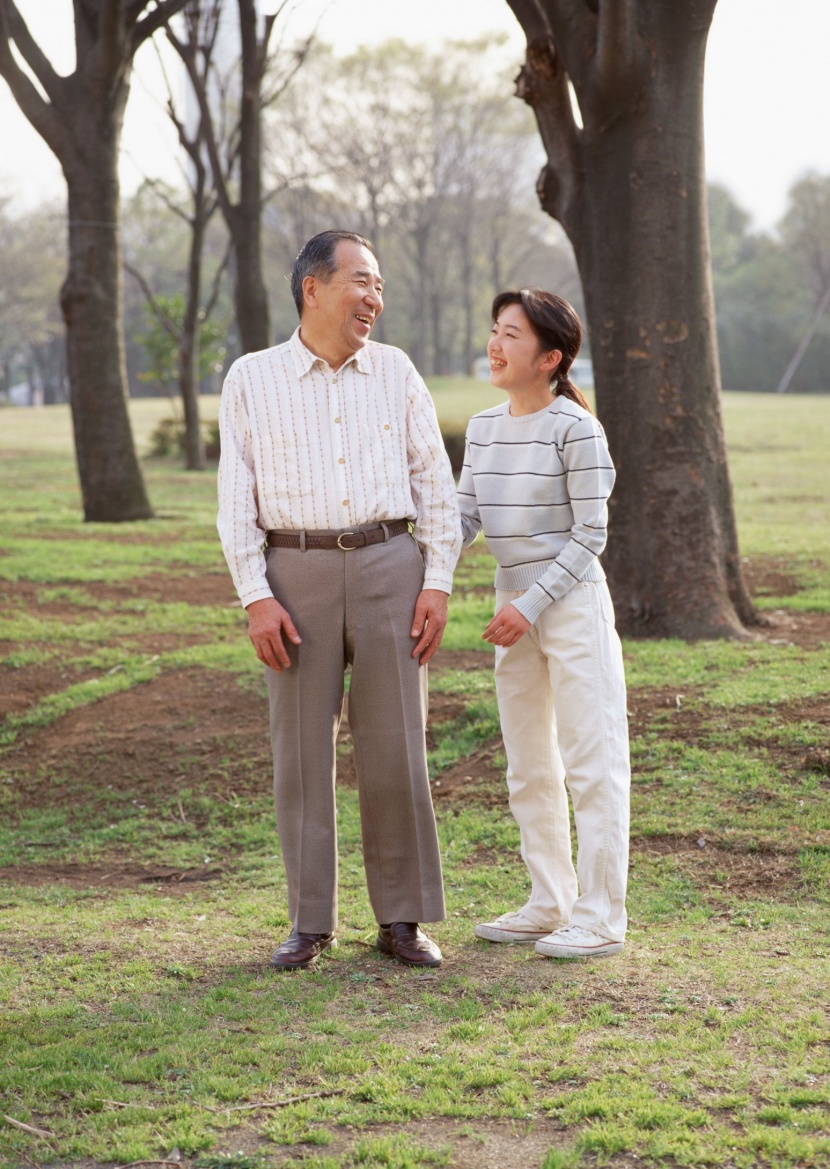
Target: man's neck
{"type": "Point", "coordinates": [323, 349]}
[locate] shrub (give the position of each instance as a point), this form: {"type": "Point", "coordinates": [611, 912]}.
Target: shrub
{"type": "Point", "coordinates": [168, 439]}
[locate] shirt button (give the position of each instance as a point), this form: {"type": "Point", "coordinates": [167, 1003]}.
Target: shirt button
{"type": "Point", "coordinates": [341, 460]}
{"type": "Point", "coordinates": [386, 426]}
{"type": "Point", "coordinates": [337, 420]}
{"type": "Point", "coordinates": [345, 503]}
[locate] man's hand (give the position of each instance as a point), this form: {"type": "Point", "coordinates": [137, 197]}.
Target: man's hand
{"type": "Point", "coordinates": [268, 623]}
{"type": "Point", "coordinates": [428, 623]}
{"type": "Point", "coordinates": [506, 627]}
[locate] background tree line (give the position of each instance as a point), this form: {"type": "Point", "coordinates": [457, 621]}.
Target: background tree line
{"type": "Point", "coordinates": [443, 185]}
{"type": "Point", "coordinates": [428, 154]}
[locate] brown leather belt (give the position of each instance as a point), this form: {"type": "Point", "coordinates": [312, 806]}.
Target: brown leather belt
{"type": "Point", "coordinates": [346, 540]}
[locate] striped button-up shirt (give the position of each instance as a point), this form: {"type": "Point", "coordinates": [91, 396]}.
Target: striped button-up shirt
{"type": "Point", "coordinates": [308, 448]}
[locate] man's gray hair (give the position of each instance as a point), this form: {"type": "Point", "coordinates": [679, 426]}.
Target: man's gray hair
{"type": "Point", "coordinates": [317, 258]}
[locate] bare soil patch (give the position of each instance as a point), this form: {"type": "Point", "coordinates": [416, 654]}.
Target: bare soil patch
{"type": "Point", "coordinates": [109, 875]}
{"type": "Point", "coordinates": [179, 584]}
{"type": "Point", "coordinates": [786, 627]}
{"type": "Point", "coordinates": [24, 686]}
{"type": "Point", "coordinates": [153, 741]}
{"type": "Point", "coordinates": [769, 576]}
{"type": "Point", "coordinates": [734, 871]}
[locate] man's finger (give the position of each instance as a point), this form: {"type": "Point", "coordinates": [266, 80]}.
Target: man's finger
{"type": "Point", "coordinates": [420, 618]}
{"type": "Point", "coordinates": [431, 648]}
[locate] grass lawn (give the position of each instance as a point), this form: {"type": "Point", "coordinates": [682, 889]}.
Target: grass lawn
{"type": "Point", "coordinates": [141, 892]}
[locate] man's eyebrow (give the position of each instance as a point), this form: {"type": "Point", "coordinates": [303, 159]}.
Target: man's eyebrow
{"type": "Point", "coordinates": [368, 273]}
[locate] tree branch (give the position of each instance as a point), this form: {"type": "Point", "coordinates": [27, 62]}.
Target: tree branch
{"type": "Point", "coordinates": [187, 54]}
{"type": "Point", "coordinates": [158, 312]}
{"type": "Point", "coordinates": [543, 84]}
{"type": "Point", "coordinates": [210, 304]}
{"type": "Point", "coordinates": [156, 19]}
{"type": "Point", "coordinates": [39, 112]}
{"type": "Point", "coordinates": [31, 51]}
{"type": "Point", "coordinates": [618, 50]}
{"type": "Point", "coordinates": [574, 28]}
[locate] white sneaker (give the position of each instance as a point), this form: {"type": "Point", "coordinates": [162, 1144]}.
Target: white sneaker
{"type": "Point", "coordinates": [572, 941]}
{"type": "Point", "coordinates": [511, 927]}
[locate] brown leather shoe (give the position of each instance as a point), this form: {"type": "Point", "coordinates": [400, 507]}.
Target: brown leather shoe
{"type": "Point", "coordinates": [410, 945]}
{"type": "Point", "coordinates": [299, 951]}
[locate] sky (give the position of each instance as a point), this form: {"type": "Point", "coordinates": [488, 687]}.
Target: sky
{"type": "Point", "coordinates": [767, 95]}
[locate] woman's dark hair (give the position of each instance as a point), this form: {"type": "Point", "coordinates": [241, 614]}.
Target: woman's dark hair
{"type": "Point", "coordinates": [556, 326]}
{"type": "Point", "coordinates": [317, 258]}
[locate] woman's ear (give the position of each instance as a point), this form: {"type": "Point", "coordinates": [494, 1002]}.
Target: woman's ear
{"type": "Point", "coordinates": [551, 360]}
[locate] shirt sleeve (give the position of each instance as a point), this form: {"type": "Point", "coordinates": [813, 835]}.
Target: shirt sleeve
{"type": "Point", "coordinates": [467, 499]}
{"type": "Point", "coordinates": [437, 526]}
{"type": "Point", "coordinates": [590, 479]}
{"type": "Point", "coordinates": [238, 523]}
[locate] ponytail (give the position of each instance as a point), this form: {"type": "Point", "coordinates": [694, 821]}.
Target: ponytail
{"type": "Point", "coordinates": [563, 387]}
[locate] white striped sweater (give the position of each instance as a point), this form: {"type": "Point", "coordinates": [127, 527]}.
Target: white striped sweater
{"type": "Point", "coordinates": [538, 486]}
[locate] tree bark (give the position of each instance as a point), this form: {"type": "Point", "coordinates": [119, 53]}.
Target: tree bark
{"type": "Point", "coordinates": [112, 486]}
{"type": "Point", "coordinates": [629, 189]}
{"type": "Point", "coordinates": [80, 118]}
{"type": "Point", "coordinates": [194, 446]}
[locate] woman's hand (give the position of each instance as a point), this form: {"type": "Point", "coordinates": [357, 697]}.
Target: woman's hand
{"type": "Point", "coordinates": [506, 627]}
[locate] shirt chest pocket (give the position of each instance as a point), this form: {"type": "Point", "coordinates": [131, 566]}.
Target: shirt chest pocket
{"type": "Point", "coordinates": [284, 465]}
{"type": "Point", "coordinates": [382, 445]}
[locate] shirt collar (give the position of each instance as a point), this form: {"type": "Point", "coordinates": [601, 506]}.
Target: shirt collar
{"type": "Point", "coordinates": [305, 360]}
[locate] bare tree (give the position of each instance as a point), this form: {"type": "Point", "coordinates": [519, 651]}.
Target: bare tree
{"type": "Point", "coordinates": [201, 26]}
{"type": "Point", "coordinates": [236, 160]}
{"type": "Point", "coordinates": [625, 178]}
{"type": "Point", "coordinates": [80, 118]}
{"type": "Point", "coordinates": [435, 185]}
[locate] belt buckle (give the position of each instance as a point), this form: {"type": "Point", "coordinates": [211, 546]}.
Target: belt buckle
{"type": "Point", "coordinates": [346, 547]}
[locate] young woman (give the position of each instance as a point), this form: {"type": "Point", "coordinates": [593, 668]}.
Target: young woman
{"type": "Point", "coordinates": [536, 480]}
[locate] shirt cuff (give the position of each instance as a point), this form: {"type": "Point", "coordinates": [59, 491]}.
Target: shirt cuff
{"type": "Point", "coordinates": [252, 593]}
{"type": "Point", "coordinates": [439, 581]}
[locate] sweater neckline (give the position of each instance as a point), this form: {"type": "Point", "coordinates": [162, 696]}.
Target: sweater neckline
{"type": "Point", "coordinates": [518, 420]}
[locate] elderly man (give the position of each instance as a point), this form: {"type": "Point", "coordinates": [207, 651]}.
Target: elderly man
{"type": "Point", "coordinates": [333, 462]}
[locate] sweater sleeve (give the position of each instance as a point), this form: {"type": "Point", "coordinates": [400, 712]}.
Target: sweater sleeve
{"type": "Point", "coordinates": [590, 478]}
{"type": "Point", "coordinates": [467, 501]}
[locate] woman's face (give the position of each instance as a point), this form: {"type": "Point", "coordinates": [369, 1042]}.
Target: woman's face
{"type": "Point", "coordinates": [517, 361]}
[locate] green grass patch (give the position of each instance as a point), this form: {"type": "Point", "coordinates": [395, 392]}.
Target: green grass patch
{"type": "Point", "coordinates": [137, 1013]}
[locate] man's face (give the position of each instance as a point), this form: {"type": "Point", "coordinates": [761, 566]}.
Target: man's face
{"type": "Point", "coordinates": [351, 300]}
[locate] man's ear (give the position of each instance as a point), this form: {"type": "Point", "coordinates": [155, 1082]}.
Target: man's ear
{"type": "Point", "coordinates": [309, 287]}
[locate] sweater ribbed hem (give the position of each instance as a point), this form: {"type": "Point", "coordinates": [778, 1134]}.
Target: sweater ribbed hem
{"type": "Point", "coordinates": [524, 576]}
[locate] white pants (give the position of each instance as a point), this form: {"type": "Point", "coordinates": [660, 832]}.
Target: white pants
{"type": "Point", "coordinates": [562, 704]}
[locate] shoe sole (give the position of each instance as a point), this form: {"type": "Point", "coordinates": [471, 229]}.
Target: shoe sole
{"type": "Point", "coordinates": [491, 933]}
{"type": "Point", "coordinates": [573, 952]}
{"type": "Point", "coordinates": [386, 949]}
{"type": "Point", "coordinates": [282, 967]}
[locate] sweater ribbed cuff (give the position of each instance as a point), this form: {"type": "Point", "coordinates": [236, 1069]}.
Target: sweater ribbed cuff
{"type": "Point", "coordinates": [534, 602]}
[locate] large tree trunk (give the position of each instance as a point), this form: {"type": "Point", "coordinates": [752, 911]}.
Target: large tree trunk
{"type": "Point", "coordinates": [629, 189]}
{"type": "Point", "coordinates": [92, 300]}
{"type": "Point", "coordinates": [80, 116]}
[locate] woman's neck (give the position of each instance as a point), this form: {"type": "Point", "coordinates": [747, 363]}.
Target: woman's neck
{"type": "Point", "coordinates": [529, 399]}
